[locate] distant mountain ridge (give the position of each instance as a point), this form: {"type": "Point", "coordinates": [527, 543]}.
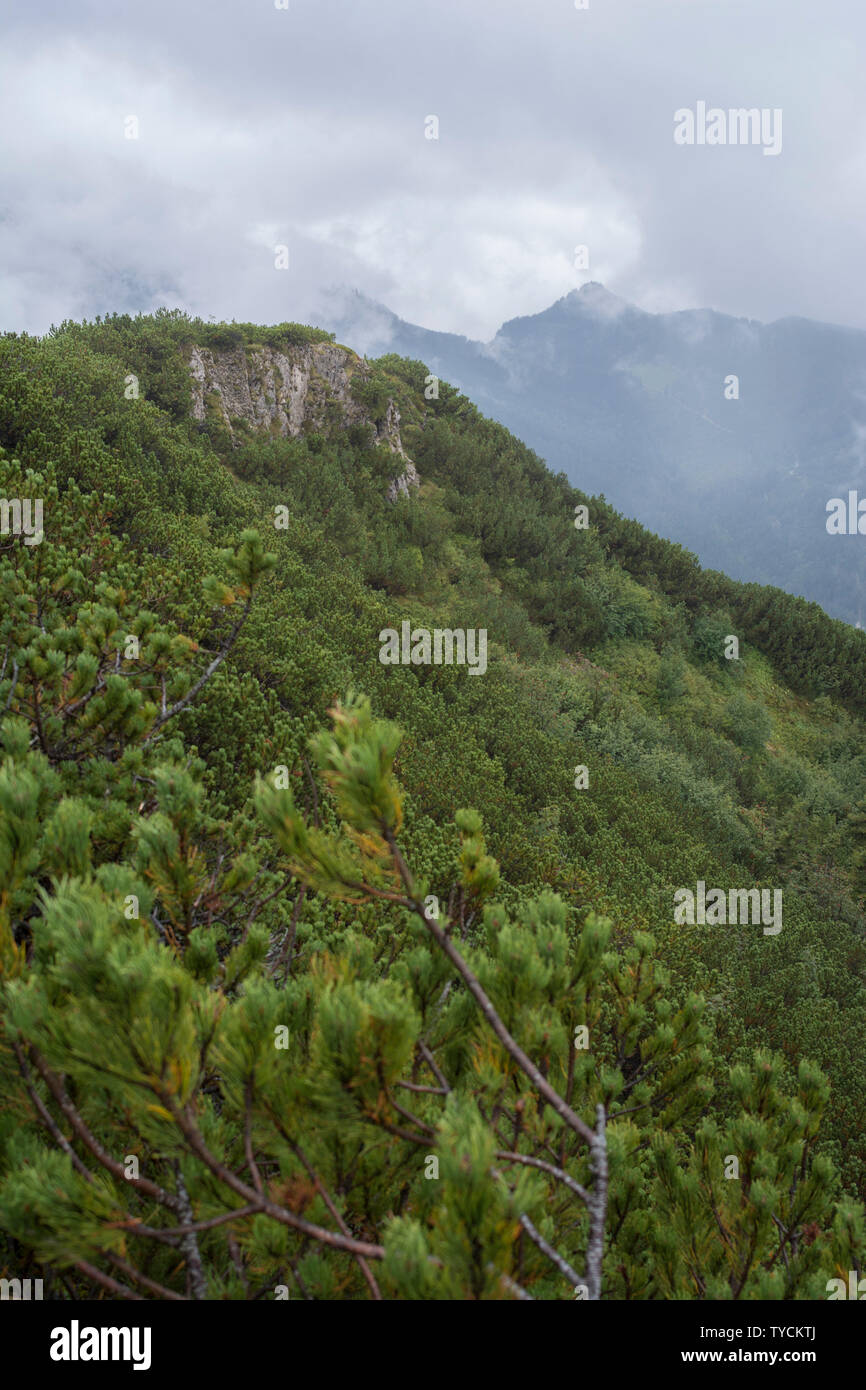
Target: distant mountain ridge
{"type": "Point", "coordinates": [725, 434]}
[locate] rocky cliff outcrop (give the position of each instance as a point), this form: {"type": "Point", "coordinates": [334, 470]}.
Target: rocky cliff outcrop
{"type": "Point", "coordinates": [304, 388]}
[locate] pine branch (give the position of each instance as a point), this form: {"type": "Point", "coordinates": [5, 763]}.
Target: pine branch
{"type": "Point", "coordinates": [473, 984]}
{"type": "Point", "coordinates": [288, 945]}
{"type": "Point", "coordinates": [203, 678]}
{"type": "Point", "coordinates": [335, 1212]}
{"type": "Point", "coordinates": [428, 1090]}
{"type": "Point", "coordinates": [248, 1141]}
{"type": "Point", "coordinates": [432, 1064]}
{"type": "Point", "coordinates": [57, 1089]}
{"type": "Point", "coordinates": [158, 1233]}
{"type": "Point", "coordinates": [46, 1117]}
{"type": "Point", "coordinates": [133, 1273]}
{"type": "Point", "coordinates": [106, 1281]}
{"type": "Point", "coordinates": [262, 1204]}
{"type": "Point", "coordinates": [12, 686]}
{"type": "Point", "coordinates": [407, 1114]}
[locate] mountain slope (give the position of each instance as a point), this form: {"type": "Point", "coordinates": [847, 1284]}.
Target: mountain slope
{"type": "Point", "coordinates": [174, 775]}
{"type": "Point", "coordinates": [640, 407]}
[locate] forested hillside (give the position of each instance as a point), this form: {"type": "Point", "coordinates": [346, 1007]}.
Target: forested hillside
{"type": "Point", "coordinates": [323, 977]}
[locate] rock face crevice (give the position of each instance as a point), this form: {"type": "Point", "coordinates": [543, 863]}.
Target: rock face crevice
{"type": "Point", "coordinates": [286, 393]}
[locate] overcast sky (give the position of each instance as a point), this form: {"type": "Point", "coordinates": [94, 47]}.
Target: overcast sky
{"type": "Point", "coordinates": [305, 127]}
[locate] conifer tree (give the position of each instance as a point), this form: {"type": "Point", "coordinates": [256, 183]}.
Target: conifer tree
{"type": "Point", "coordinates": [167, 1098]}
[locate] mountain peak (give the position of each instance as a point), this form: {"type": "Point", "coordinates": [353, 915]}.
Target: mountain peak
{"type": "Point", "coordinates": [595, 299]}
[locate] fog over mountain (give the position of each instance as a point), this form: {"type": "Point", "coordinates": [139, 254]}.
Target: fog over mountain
{"type": "Point", "coordinates": [728, 435]}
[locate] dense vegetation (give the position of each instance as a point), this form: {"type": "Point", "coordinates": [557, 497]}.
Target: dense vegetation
{"type": "Point", "coordinates": [280, 1015]}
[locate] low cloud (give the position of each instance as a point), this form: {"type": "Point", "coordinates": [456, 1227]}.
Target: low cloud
{"type": "Point", "coordinates": [305, 127]}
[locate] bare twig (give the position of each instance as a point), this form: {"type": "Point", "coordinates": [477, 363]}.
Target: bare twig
{"type": "Point", "coordinates": [554, 1256]}
{"type": "Point", "coordinates": [597, 1206]}
{"type": "Point", "coordinates": [513, 1287]}
{"type": "Point", "coordinates": [189, 1243]}
{"type": "Point", "coordinates": [558, 1173]}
